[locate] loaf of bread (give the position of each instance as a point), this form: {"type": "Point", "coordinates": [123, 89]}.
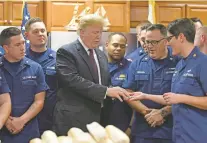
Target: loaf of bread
{"type": "Point", "coordinates": [84, 138]}
{"type": "Point", "coordinates": [64, 139]}
{"type": "Point", "coordinates": [97, 134]}
{"type": "Point", "coordinates": [49, 137]}
{"type": "Point", "coordinates": [107, 141]}
{"type": "Point", "coordinates": [36, 140]}
{"type": "Point", "coordinates": [116, 135]}
{"type": "Point", "coordinates": [97, 131]}
{"type": "Point", "coordinates": [75, 132]}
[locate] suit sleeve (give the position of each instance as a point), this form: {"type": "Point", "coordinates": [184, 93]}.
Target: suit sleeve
{"type": "Point", "coordinates": [68, 76]}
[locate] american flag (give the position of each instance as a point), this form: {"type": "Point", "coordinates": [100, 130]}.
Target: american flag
{"type": "Point", "coordinates": [25, 18]}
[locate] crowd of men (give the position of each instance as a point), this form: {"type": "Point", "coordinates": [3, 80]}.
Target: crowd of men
{"type": "Point", "coordinates": [156, 94]}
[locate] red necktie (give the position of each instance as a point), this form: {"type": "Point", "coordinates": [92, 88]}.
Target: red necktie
{"type": "Point", "coordinates": [93, 62]}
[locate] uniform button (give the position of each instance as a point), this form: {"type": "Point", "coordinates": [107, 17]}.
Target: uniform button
{"type": "Point", "coordinates": [145, 58]}
{"type": "Point", "coordinates": [50, 54]}
{"type": "Point", "coordinates": [26, 61]}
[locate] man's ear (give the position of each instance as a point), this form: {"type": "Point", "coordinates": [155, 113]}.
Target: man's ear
{"type": "Point", "coordinates": [82, 32]}
{"type": "Point", "coordinates": [181, 37]}
{"type": "Point", "coordinates": [106, 45]}
{"type": "Point", "coordinates": [5, 47]}
{"type": "Point", "coordinates": [203, 38]}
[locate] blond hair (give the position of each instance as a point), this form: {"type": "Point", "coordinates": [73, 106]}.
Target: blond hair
{"type": "Point", "coordinates": [90, 19]}
{"type": "Point", "coordinates": [202, 30]}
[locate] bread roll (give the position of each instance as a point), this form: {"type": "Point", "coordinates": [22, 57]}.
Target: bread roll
{"type": "Point", "coordinates": [84, 138]}
{"type": "Point", "coordinates": [107, 141]}
{"type": "Point", "coordinates": [97, 131]}
{"type": "Point", "coordinates": [64, 139]}
{"type": "Point", "coordinates": [49, 137]}
{"type": "Point", "coordinates": [36, 140]}
{"type": "Point", "coordinates": [75, 132]}
{"type": "Point", "coordinates": [116, 135]}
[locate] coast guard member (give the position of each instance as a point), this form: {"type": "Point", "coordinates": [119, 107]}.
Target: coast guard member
{"type": "Point", "coordinates": [36, 33]}
{"type": "Point", "coordinates": [120, 112]}
{"type": "Point", "coordinates": [189, 86]}
{"type": "Point", "coordinates": [152, 75]}
{"type": "Point", "coordinates": [141, 50]}
{"type": "Point", "coordinates": [27, 83]}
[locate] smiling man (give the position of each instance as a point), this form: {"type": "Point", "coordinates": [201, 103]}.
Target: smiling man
{"type": "Point", "coordinates": [152, 75]}
{"type": "Point", "coordinates": [38, 51]}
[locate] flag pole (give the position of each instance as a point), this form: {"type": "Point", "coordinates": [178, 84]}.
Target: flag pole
{"type": "Point", "coordinates": [23, 6]}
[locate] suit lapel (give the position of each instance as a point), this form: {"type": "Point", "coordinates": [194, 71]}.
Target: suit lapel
{"type": "Point", "coordinates": [82, 52]}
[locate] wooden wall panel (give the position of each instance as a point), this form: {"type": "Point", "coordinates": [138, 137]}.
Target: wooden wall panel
{"type": "Point", "coordinates": [169, 11]}
{"type": "Point", "coordinates": [117, 13]}
{"type": "Point", "coordinates": [198, 10]}
{"type": "Point", "coordinates": [3, 13]}
{"type": "Point", "coordinates": [138, 13]}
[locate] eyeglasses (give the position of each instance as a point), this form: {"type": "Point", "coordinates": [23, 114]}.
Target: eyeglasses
{"type": "Point", "coordinates": [169, 38]}
{"type": "Point", "coordinates": [122, 46]}
{"type": "Point", "coordinates": [153, 42]}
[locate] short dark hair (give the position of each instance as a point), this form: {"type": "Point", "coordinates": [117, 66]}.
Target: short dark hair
{"type": "Point", "coordinates": [183, 25]}
{"type": "Point", "coordinates": [144, 27]}
{"type": "Point", "coordinates": [31, 21]}
{"type": "Point", "coordinates": [162, 28]}
{"type": "Point", "coordinates": [116, 33]}
{"type": "Point", "coordinates": [195, 19]}
{"type": "Point", "coordinates": [143, 23]}
{"type": "Point", "coordinates": [7, 33]}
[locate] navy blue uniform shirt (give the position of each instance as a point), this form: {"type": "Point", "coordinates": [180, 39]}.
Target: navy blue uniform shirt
{"type": "Point", "coordinates": [136, 54]}
{"type": "Point", "coordinates": [27, 81]}
{"type": "Point", "coordinates": [47, 60]}
{"type": "Point", "coordinates": [153, 77]}
{"type": "Point", "coordinates": [190, 123]}
{"type": "Point", "coordinates": [120, 111]}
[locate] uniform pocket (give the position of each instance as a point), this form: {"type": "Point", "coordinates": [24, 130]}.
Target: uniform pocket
{"type": "Point", "coordinates": [188, 81]}
{"type": "Point", "coordinates": [142, 77]}
{"type": "Point", "coordinates": [29, 83]}
{"type": "Point", "coordinates": [29, 90]}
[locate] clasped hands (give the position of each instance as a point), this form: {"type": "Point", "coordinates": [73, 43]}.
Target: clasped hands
{"type": "Point", "coordinates": [14, 125]}
{"type": "Point", "coordinates": [152, 116]}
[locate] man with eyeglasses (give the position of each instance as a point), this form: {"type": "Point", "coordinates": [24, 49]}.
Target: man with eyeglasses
{"type": "Point", "coordinates": [141, 50]}
{"type": "Point", "coordinates": [189, 85]}
{"type": "Point", "coordinates": [115, 112]}
{"type": "Point", "coordinates": [152, 75]}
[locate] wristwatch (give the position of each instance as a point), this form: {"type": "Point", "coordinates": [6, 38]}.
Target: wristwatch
{"type": "Point", "coordinates": [163, 113]}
